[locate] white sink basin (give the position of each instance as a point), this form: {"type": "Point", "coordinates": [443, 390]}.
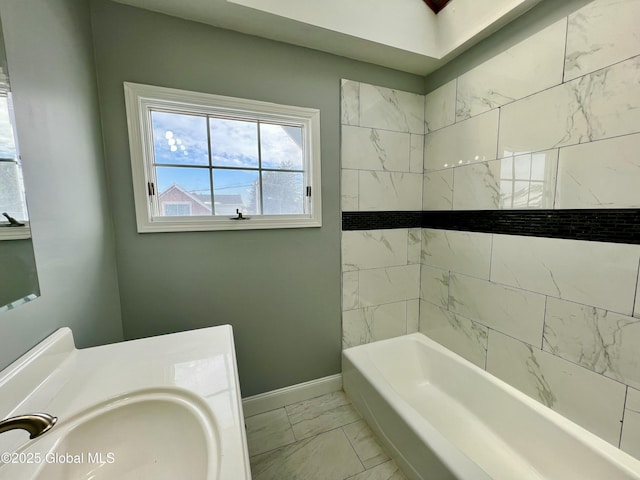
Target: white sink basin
{"type": "Point", "coordinates": [150, 434]}
{"type": "Point", "coordinates": [181, 425]}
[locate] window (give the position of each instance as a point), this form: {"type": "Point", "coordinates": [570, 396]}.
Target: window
{"type": "Point", "coordinates": [208, 162]}
{"type": "Point", "coordinates": [525, 180]}
{"type": "Point", "coordinates": [12, 193]}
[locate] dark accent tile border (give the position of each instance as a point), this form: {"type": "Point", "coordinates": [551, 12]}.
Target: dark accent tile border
{"type": "Point", "coordinates": [600, 225]}
{"type": "Point", "coordinates": [381, 220]}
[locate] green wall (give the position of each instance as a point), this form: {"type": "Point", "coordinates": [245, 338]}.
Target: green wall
{"type": "Point", "coordinates": [279, 289]}
{"type": "Point", "coordinates": [50, 58]}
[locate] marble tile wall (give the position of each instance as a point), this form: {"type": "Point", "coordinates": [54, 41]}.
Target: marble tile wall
{"type": "Point", "coordinates": [552, 123]}
{"type": "Point", "coordinates": [534, 127]}
{"type": "Point", "coordinates": [382, 153]}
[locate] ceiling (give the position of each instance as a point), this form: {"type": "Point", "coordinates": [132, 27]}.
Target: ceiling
{"type": "Point", "coordinates": [402, 34]}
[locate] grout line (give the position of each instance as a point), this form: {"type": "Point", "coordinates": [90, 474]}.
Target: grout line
{"type": "Point", "coordinates": [544, 352]}
{"type": "Point", "coordinates": [498, 134]}
{"type": "Point", "coordinates": [455, 103]}
{"type": "Point", "coordinates": [491, 256]}
{"type": "Point", "coordinates": [557, 85]}
{"type": "Point", "coordinates": [448, 291]}
{"type": "Point", "coordinates": [364, 469]}
{"type": "Point", "coordinates": [624, 409]}
{"type": "Point", "coordinates": [635, 295]}
{"type": "Point", "coordinates": [306, 439]}
{"type": "Point", "coordinates": [514, 287]}
{"type": "Point", "coordinates": [557, 356]}
{"type": "Point", "coordinates": [544, 321]}
{"type": "Point", "coordinates": [564, 56]}
{"type": "Point", "coordinates": [486, 350]}
{"type": "Point", "coordinates": [555, 188]}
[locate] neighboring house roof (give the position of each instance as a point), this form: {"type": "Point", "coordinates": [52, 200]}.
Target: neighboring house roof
{"type": "Point", "coordinates": [224, 203]}
{"type": "Point", "coordinates": [175, 188]}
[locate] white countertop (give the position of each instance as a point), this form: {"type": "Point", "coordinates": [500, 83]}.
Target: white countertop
{"type": "Point", "coordinates": [56, 378]}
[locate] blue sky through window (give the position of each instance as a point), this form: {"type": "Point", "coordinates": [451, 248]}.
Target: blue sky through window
{"type": "Point", "coordinates": [182, 140]}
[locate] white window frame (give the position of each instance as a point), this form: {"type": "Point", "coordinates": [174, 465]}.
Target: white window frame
{"type": "Point", "coordinates": [141, 99]}
{"type": "Point", "coordinates": [22, 232]}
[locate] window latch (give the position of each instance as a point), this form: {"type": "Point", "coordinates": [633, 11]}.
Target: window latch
{"type": "Point", "coordinates": [308, 191]}
{"type": "Point", "coordinates": [240, 216]}
{"type": "Point", "coordinates": [12, 221]}
{"type": "Point", "coordinates": [151, 188]}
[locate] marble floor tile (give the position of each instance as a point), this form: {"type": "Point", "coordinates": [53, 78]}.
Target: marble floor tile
{"type": "Point", "coordinates": [385, 471]}
{"type": "Point", "coordinates": [320, 414]}
{"type": "Point", "coordinates": [323, 457]}
{"type": "Point", "coordinates": [268, 431]}
{"type": "Point", "coordinates": [344, 447]}
{"type": "Point", "coordinates": [365, 443]}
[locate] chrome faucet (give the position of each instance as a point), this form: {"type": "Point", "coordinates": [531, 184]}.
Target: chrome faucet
{"type": "Point", "coordinates": [34, 423]}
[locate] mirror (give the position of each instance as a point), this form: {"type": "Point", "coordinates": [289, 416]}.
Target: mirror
{"type": "Point", "coordinates": [18, 275]}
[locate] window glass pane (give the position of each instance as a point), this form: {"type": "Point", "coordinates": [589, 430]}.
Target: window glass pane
{"type": "Point", "coordinates": [536, 194]}
{"type": "Point", "coordinates": [283, 193]}
{"type": "Point", "coordinates": [236, 189]}
{"type": "Point", "coordinates": [506, 194]}
{"type": "Point", "coordinates": [506, 168]}
{"type": "Point", "coordinates": [523, 167]}
{"type": "Point", "coordinates": [179, 139]}
{"type": "Point", "coordinates": [185, 186]}
{"type": "Point", "coordinates": [7, 140]}
{"type": "Point", "coordinates": [12, 198]}
{"type": "Point", "coordinates": [234, 143]}
{"type": "Point", "coordinates": [281, 146]}
{"type": "Point", "coordinates": [521, 195]}
{"type": "Point", "coordinates": [538, 166]}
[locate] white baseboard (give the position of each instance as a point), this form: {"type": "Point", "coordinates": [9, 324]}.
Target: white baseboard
{"type": "Point", "coordinates": [274, 399]}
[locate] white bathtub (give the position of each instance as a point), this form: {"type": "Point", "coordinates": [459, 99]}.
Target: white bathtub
{"type": "Point", "coordinates": [442, 417]}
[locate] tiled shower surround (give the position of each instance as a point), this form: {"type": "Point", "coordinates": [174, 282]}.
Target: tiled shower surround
{"type": "Point", "coordinates": [551, 123]}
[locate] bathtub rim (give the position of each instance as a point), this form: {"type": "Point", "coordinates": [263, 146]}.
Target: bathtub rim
{"type": "Point", "coordinates": [360, 354]}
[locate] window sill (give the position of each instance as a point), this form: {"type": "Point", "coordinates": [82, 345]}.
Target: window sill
{"type": "Point", "coordinates": [189, 224]}
{"type": "Point", "coordinates": [15, 233]}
